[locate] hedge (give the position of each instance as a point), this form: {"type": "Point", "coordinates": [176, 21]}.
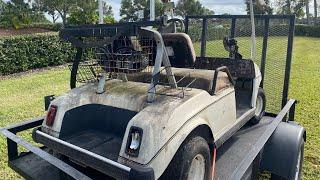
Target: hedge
{"type": "Point", "coordinates": [48, 26]}
{"type": "Point", "coordinates": [21, 53]}
{"type": "Point", "coordinates": [307, 30]}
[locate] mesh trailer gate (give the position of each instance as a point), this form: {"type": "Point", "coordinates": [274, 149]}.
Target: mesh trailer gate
{"type": "Point", "coordinates": [274, 36]}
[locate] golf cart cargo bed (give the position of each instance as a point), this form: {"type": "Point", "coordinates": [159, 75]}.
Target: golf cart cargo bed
{"type": "Point", "coordinates": [230, 154]}
{"type": "Point", "coordinates": [105, 144]}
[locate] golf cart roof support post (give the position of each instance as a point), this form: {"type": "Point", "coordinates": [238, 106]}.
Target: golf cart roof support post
{"type": "Point", "coordinates": [100, 12]}
{"type": "Point", "coordinates": [152, 10]}
{"type": "Point", "coordinates": [288, 61]}
{"type": "Point", "coordinates": [204, 37]}
{"type": "Point", "coordinates": [264, 49]}
{"type": "Point", "coordinates": [253, 32]}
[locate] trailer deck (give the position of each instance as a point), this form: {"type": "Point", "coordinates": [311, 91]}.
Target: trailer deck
{"type": "Point", "coordinates": [229, 156]}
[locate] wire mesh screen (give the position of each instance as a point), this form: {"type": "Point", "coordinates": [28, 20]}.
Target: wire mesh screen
{"type": "Point", "coordinates": [121, 55]}
{"type": "Point", "coordinates": [195, 33]}
{"type": "Point", "coordinates": [272, 41]}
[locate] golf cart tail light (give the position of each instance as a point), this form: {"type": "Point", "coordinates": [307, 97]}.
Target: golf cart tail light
{"type": "Point", "coordinates": [134, 141]}
{"type": "Point", "coordinates": [51, 115]}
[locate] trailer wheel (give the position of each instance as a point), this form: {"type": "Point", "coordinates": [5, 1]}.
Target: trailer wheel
{"type": "Point", "coordinates": [260, 107]}
{"type": "Point", "coordinates": [298, 169]}
{"type": "Point", "coordinates": [191, 162]}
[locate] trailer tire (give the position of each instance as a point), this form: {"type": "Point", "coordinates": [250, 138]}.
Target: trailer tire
{"type": "Point", "coordinates": [298, 169]}
{"type": "Point", "coordinates": [260, 107]}
{"type": "Point", "coordinates": [194, 151]}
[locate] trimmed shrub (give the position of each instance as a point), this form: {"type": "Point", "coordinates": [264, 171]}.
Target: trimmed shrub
{"type": "Point", "coordinates": [21, 53]}
{"type": "Point", "coordinates": [48, 26]}
{"type": "Point", "coordinates": [307, 30]}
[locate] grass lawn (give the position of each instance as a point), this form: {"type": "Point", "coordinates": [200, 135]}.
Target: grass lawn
{"type": "Point", "coordinates": [21, 98]}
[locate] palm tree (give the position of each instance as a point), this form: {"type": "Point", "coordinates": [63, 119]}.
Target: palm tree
{"type": "Point", "coordinates": [308, 12]}
{"type": "Point", "coordinates": [315, 11]}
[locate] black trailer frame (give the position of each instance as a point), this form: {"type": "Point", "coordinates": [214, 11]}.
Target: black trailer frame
{"type": "Point", "coordinates": [118, 170]}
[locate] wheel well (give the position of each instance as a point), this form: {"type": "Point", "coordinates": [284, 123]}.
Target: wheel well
{"type": "Point", "coordinates": [203, 131]}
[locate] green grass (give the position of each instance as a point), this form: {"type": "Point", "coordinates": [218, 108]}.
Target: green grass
{"type": "Point", "coordinates": [22, 97]}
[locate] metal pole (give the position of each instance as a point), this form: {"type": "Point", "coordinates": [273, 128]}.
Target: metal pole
{"type": "Point", "coordinates": [100, 12]}
{"type": "Point", "coordinates": [253, 35]}
{"type": "Point", "coordinates": [152, 10]}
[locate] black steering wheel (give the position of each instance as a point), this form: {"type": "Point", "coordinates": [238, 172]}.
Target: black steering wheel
{"type": "Point", "coordinates": [171, 26]}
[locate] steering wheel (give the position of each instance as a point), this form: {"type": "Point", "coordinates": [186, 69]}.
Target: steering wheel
{"type": "Point", "coordinates": [171, 26]}
{"type": "Point", "coordinates": [176, 21]}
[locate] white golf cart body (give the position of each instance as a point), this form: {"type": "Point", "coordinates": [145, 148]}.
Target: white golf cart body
{"type": "Point", "coordinates": [166, 120]}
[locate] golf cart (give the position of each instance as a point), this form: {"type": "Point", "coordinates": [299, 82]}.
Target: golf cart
{"type": "Point", "coordinates": [147, 108]}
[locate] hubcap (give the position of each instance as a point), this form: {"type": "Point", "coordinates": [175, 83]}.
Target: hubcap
{"type": "Point", "coordinates": [296, 177]}
{"type": "Point", "coordinates": [259, 106]}
{"type": "Point", "coordinates": [197, 168]}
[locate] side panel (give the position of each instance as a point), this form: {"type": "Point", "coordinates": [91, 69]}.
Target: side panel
{"type": "Point", "coordinates": [163, 133]}
{"type": "Point", "coordinates": [281, 151]}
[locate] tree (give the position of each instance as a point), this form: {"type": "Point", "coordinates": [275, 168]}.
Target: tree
{"type": "Point", "coordinates": [17, 13]}
{"type": "Point", "coordinates": [63, 7]}
{"type": "Point", "coordinates": [294, 7]}
{"type": "Point", "coordinates": [315, 10]}
{"type": "Point", "coordinates": [191, 7]}
{"type": "Point", "coordinates": [259, 8]}
{"type": "Point", "coordinates": [130, 8]}
{"type": "Point", "coordinates": [308, 11]}
{"type": "Point", "coordinates": [86, 13]}
{"type": "Point", "coordinates": [39, 4]}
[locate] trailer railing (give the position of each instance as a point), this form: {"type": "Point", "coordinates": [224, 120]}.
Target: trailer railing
{"type": "Point", "coordinates": [102, 164]}
{"type": "Point", "coordinates": [289, 108]}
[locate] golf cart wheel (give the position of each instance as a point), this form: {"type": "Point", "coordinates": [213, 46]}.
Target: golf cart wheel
{"type": "Point", "coordinates": [298, 167]}
{"type": "Point", "coordinates": [191, 162]}
{"type": "Point", "coordinates": [260, 107]}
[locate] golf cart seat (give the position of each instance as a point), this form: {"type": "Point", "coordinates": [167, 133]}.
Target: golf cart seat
{"type": "Point", "coordinates": [180, 49]}
{"type": "Point", "coordinates": [204, 78]}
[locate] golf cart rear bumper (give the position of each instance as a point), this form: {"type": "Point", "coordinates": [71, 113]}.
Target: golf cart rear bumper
{"type": "Point", "coordinates": [38, 162]}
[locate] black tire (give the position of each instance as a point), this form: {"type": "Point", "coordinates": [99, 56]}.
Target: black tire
{"type": "Point", "coordinates": [261, 99]}
{"type": "Point", "coordinates": [298, 161]}
{"type": "Point", "coordinates": [179, 167]}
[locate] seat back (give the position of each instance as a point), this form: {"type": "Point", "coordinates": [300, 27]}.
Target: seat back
{"type": "Point", "coordinates": [183, 54]}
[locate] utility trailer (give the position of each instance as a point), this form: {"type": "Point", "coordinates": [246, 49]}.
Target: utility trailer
{"type": "Point", "coordinates": [240, 153]}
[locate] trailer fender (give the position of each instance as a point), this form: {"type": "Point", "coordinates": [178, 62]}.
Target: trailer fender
{"type": "Point", "coordinates": [280, 154]}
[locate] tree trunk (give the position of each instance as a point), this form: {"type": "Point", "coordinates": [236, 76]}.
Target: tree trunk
{"type": "Point", "coordinates": [64, 19]}
{"type": "Point", "coordinates": [308, 12]}
{"type": "Point", "coordinates": [289, 7]}
{"type": "Point", "coordinates": [315, 11]}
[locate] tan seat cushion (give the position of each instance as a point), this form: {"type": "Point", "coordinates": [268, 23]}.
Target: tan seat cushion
{"type": "Point", "coordinates": [204, 78]}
